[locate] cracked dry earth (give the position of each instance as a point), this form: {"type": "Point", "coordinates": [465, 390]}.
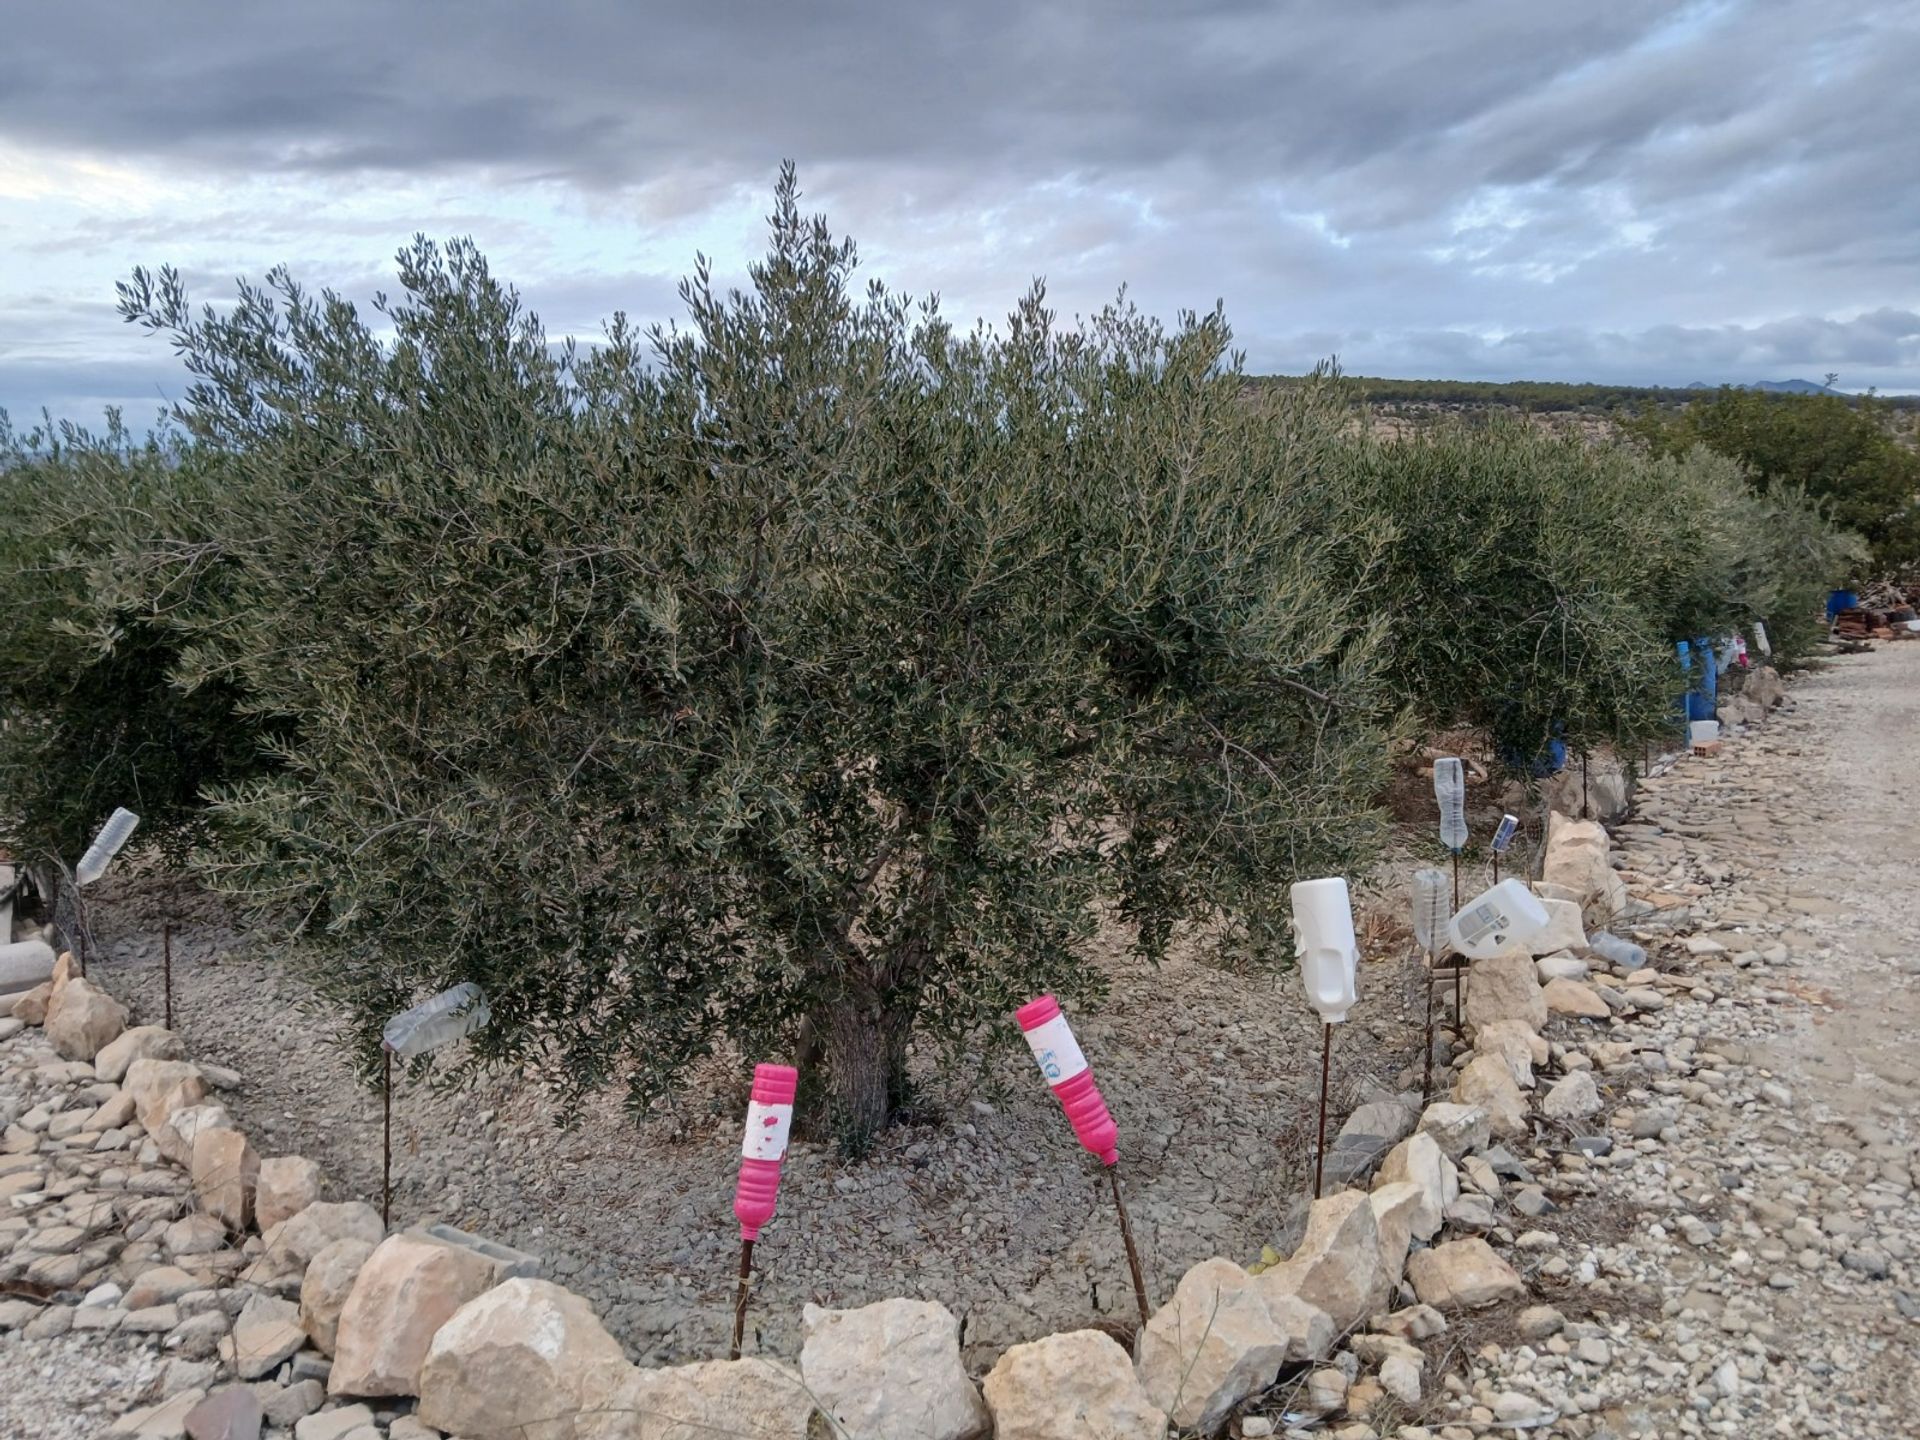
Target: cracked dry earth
{"type": "Point", "coordinates": [1747, 1262]}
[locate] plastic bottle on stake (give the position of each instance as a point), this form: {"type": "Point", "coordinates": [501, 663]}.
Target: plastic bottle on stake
{"type": "Point", "coordinates": [1329, 954]}
{"type": "Point", "coordinates": [1508, 914]}
{"type": "Point", "coordinates": [1450, 790]}
{"type": "Point", "coordinates": [1760, 638]}
{"type": "Point", "coordinates": [439, 1020]}
{"type": "Point", "coordinates": [769, 1122]}
{"type": "Point", "coordinates": [1432, 910]}
{"type": "Point", "coordinates": [105, 846]}
{"type": "Point", "coordinates": [1503, 837]}
{"type": "Point", "coordinates": [1058, 1055]}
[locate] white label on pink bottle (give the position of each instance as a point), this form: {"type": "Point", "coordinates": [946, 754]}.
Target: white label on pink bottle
{"type": "Point", "coordinates": [767, 1127]}
{"type": "Point", "coordinates": [1056, 1051]}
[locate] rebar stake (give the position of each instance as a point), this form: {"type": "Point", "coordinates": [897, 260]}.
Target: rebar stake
{"type": "Point", "coordinates": [1426, 1085]}
{"type": "Point", "coordinates": [1459, 1008]}
{"type": "Point", "coordinates": [1583, 785]}
{"type": "Point", "coordinates": [166, 966]}
{"type": "Point", "coordinates": [386, 1137]}
{"type": "Point", "coordinates": [740, 1299]}
{"type": "Point", "coordinates": [1126, 1238]}
{"type": "Point", "coordinates": [1326, 1068]}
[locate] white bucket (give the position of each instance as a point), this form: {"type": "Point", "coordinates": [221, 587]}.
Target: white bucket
{"type": "Point", "coordinates": [1704, 732]}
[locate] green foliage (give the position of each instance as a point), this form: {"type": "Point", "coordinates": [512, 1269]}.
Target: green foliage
{"type": "Point", "coordinates": [803, 678]}
{"type": "Point", "coordinates": [1536, 581]}
{"type": "Point", "coordinates": [1846, 455]}
{"type": "Point", "coordinates": [105, 541]}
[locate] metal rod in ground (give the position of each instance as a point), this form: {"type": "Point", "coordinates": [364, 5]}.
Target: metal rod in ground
{"type": "Point", "coordinates": [1583, 784]}
{"type": "Point", "coordinates": [1126, 1238]}
{"type": "Point", "coordinates": [1426, 1085]}
{"type": "Point", "coordinates": [166, 966]}
{"type": "Point", "coordinates": [1459, 1012]}
{"type": "Point", "coordinates": [1326, 1066]}
{"type": "Point", "coordinates": [386, 1136]}
{"type": "Point", "coordinates": [740, 1290]}
{"type": "Point", "coordinates": [1496, 867]}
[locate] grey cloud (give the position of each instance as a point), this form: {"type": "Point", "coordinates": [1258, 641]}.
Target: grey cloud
{"type": "Point", "coordinates": [1641, 189]}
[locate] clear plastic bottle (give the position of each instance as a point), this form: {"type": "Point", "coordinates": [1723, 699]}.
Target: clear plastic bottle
{"type": "Point", "coordinates": [1450, 789]}
{"type": "Point", "coordinates": [1764, 645]}
{"type": "Point", "coordinates": [1621, 954]}
{"type": "Point", "coordinates": [1432, 910]}
{"type": "Point", "coordinates": [105, 846]}
{"type": "Point", "coordinates": [1503, 837]}
{"type": "Point", "coordinates": [440, 1020]}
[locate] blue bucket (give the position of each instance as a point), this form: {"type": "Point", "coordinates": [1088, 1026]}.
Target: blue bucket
{"type": "Point", "coordinates": [1841, 600]}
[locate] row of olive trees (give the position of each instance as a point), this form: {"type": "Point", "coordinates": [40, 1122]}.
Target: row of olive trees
{"type": "Point", "coordinates": [805, 678]}
{"type": "Point", "coordinates": [1537, 580]}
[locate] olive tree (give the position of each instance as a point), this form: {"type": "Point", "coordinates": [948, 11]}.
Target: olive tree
{"type": "Point", "coordinates": [806, 677]}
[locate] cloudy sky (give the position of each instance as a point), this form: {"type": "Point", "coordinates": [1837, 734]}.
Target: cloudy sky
{"type": "Point", "coordinates": [1627, 191]}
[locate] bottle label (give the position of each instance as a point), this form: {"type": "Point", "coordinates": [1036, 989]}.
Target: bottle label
{"type": "Point", "coordinates": [1055, 1050]}
{"type": "Point", "coordinates": [767, 1127]}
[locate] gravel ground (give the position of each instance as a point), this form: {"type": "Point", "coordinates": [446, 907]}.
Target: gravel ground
{"type": "Point", "coordinates": [1751, 1263]}
{"type": "Point", "coordinates": [1746, 1260]}
{"type": "Point", "coordinates": [71, 1387]}
{"type": "Point", "coordinates": [995, 1211]}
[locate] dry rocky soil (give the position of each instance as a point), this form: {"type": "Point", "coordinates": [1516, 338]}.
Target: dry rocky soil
{"type": "Point", "coordinates": [1697, 1199]}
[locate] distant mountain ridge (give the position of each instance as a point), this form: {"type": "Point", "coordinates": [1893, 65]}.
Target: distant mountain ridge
{"type": "Point", "coordinates": [1779, 387]}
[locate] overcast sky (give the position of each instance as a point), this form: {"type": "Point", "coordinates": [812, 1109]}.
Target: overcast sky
{"type": "Point", "coordinates": [1628, 191]}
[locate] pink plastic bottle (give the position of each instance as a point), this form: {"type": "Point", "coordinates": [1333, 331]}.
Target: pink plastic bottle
{"type": "Point", "coordinates": [769, 1118]}
{"type": "Point", "coordinates": [1058, 1055]}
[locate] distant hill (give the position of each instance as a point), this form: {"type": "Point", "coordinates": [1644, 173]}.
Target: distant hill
{"type": "Point", "coordinates": [1778, 387]}
{"type": "Point", "coordinates": [1550, 396]}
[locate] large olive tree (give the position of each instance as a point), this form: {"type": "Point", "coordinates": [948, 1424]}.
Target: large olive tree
{"type": "Point", "coordinates": [802, 678]}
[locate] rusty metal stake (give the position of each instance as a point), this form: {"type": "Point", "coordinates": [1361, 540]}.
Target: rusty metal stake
{"type": "Point", "coordinates": [740, 1299]}
{"type": "Point", "coordinates": [1459, 1011]}
{"type": "Point", "coordinates": [1426, 1085]}
{"type": "Point", "coordinates": [1583, 784]}
{"type": "Point", "coordinates": [1126, 1237]}
{"type": "Point", "coordinates": [386, 1141]}
{"type": "Point", "coordinates": [1326, 1066]}
{"type": "Point", "coordinates": [166, 962]}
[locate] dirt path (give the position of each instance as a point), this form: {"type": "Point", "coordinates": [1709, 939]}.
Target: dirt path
{"type": "Point", "coordinates": [1765, 1278]}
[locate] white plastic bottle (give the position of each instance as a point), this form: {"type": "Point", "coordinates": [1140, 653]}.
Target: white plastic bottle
{"type": "Point", "coordinates": [105, 846]}
{"type": "Point", "coordinates": [1508, 914]}
{"type": "Point", "coordinates": [1329, 953]}
{"type": "Point", "coordinates": [1503, 837]}
{"type": "Point", "coordinates": [1432, 910]}
{"type": "Point", "coordinates": [1450, 789]}
{"type": "Point", "coordinates": [1760, 638]}
{"type": "Point", "coordinates": [437, 1021]}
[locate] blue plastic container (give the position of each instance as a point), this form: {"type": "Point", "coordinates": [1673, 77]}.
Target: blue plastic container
{"type": "Point", "coordinates": [1841, 600]}
{"type": "Point", "coordinates": [1703, 698]}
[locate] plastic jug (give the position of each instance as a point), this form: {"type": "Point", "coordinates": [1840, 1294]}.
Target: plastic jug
{"type": "Point", "coordinates": [1508, 914]}
{"type": "Point", "coordinates": [1329, 953]}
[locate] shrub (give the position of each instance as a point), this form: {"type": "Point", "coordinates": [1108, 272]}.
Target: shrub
{"type": "Point", "coordinates": [106, 541]}
{"type": "Point", "coordinates": [1843, 454]}
{"type": "Point", "coordinates": [803, 677]}
{"type": "Point", "coordinates": [1535, 581]}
